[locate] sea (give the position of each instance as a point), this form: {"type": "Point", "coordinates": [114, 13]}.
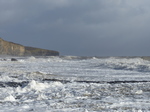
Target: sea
{"type": "Point", "coordinates": [74, 84]}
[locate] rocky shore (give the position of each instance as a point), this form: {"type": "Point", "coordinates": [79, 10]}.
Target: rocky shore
{"type": "Point", "coordinates": [13, 49]}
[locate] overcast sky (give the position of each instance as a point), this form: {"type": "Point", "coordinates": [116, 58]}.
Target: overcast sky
{"type": "Point", "coordinates": [79, 27]}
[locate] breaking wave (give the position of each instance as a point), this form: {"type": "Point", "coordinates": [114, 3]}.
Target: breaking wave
{"type": "Point", "coordinates": [133, 64]}
{"type": "Point", "coordinates": [74, 84]}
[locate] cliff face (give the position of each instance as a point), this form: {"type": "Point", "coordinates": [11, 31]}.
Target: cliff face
{"type": "Point", "coordinates": [13, 49]}
{"type": "Point", "coordinates": [31, 51]}
{"type": "Point", "coordinates": [9, 48]}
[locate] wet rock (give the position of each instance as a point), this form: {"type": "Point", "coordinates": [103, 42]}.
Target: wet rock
{"type": "Point", "coordinates": [13, 59]}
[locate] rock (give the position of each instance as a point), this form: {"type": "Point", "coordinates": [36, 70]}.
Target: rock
{"type": "Point", "coordinates": [13, 59]}
{"type": "Point", "coordinates": [9, 48]}
{"type": "Point", "coordinates": [13, 49]}
{"type": "Point", "coordinates": [39, 52]}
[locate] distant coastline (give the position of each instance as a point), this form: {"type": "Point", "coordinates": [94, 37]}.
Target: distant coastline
{"type": "Point", "coordinates": [14, 49]}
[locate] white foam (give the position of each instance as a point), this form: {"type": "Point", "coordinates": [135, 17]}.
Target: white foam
{"type": "Point", "coordinates": [39, 95]}
{"type": "Point", "coordinates": [33, 85]}
{"type": "Point", "coordinates": [10, 98]}
{"type": "Point", "coordinates": [139, 92]}
{"type": "Point", "coordinates": [31, 58]}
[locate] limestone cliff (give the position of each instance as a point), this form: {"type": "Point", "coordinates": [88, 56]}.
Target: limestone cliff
{"type": "Point", "coordinates": [13, 49]}
{"type": "Point", "coordinates": [9, 48]}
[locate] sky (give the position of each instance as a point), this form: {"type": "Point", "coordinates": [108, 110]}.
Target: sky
{"type": "Point", "coordinates": [79, 27]}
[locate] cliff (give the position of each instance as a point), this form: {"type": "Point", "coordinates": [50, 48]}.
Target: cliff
{"type": "Point", "coordinates": [31, 51]}
{"type": "Point", "coordinates": [13, 49]}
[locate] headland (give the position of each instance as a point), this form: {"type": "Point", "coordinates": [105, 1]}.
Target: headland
{"type": "Point", "coordinates": [14, 49]}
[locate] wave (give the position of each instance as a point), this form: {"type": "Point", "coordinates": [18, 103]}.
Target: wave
{"type": "Point", "coordinates": [132, 64]}
{"type": "Point", "coordinates": [117, 63]}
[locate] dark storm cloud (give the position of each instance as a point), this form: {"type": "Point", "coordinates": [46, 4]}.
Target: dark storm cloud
{"type": "Point", "coordinates": [78, 27]}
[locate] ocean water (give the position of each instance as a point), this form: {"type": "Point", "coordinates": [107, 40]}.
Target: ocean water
{"type": "Point", "coordinates": [74, 84]}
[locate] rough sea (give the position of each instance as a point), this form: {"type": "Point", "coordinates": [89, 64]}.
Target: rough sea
{"type": "Point", "coordinates": [74, 84]}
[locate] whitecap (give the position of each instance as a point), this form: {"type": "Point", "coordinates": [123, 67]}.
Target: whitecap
{"type": "Point", "coordinates": [10, 98]}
